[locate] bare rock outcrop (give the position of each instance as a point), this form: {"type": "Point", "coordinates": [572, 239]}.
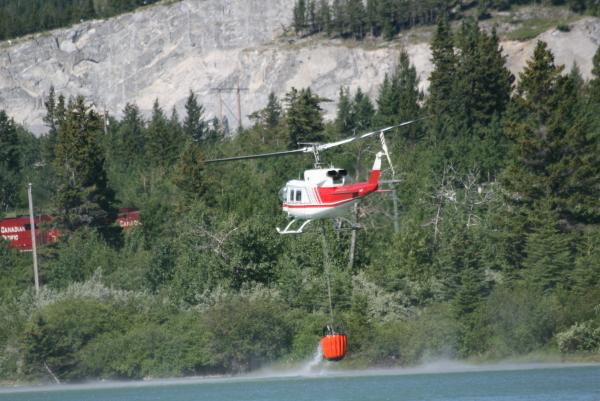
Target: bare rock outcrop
{"type": "Point", "coordinates": [165, 51]}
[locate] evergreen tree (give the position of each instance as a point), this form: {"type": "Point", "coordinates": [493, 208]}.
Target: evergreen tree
{"type": "Point", "coordinates": [409, 95]}
{"type": "Point", "coordinates": [386, 18]}
{"type": "Point", "coordinates": [303, 116]}
{"type": "Point", "coordinates": [131, 136]}
{"type": "Point", "coordinates": [311, 17]}
{"type": "Point", "coordinates": [300, 16]}
{"type": "Point", "coordinates": [272, 114]}
{"type": "Point", "coordinates": [194, 126]}
{"type": "Point", "coordinates": [468, 300]}
{"type": "Point", "coordinates": [161, 144]}
{"type": "Point", "coordinates": [524, 122]}
{"type": "Point", "coordinates": [363, 111]}
{"type": "Point", "coordinates": [586, 273]}
{"type": "Point", "coordinates": [324, 17]}
{"type": "Point", "coordinates": [339, 21]}
{"type": "Point", "coordinates": [189, 175]}
{"type": "Point", "coordinates": [399, 96]}
{"type": "Point", "coordinates": [9, 161]}
{"type": "Point", "coordinates": [51, 122]}
{"type": "Point", "coordinates": [548, 257]}
{"type": "Point", "coordinates": [344, 121]}
{"type": "Point", "coordinates": [495, 79]}
{"type": "Point", "coordinates": [387, 102]}
{"type": "Point", "coordinates": [356, 15]}
{"type": "Point", "coordinates": [441, 100]}
{"type": "Point", "coordinates": [556, 158]}
{"type": "Point", "coordinates": [372, 13]}
{"type": "Point", "coordinates": [594, 84]}
{"type": "Point", "coordinates": [84, 197]}
{"type": "Point", "coordinates": [55, 112]}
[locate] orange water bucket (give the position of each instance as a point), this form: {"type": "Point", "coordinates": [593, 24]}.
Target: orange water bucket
{"type": "Point", "coordinates": [334, 346]}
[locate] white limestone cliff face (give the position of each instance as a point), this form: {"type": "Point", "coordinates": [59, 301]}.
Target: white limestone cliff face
{"type": "Point", "coordinates": [164, 51]}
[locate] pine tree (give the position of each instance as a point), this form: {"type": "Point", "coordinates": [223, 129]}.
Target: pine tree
{"type": "Point", "coordinates": [468, 300]}
{"type": "Point", "coordinates": [372, 12]}
{"type": "Point", "coordinates": [161, 144]}
{"type": "Point", "coordinates": [386, 18]}
{"type": "Point", "coordinates": [300, 16]}
{"type": "Point", "coordinates": [131, 136]}
{"type": "Point", "coordinates": [594, 85]}
{"type": "Point", "coordinates": [272, 113]}
{"type": "Point", "coordinates": [344, 122]}
{"type": "Point", "coordinates": [356, 15]}
{"type": "Point", "coordinates": [409, 95]}
{"type": "Point", "coordinates": [9, 161]}
{"type": "Point", "coordinates": [84, 197]}
{"type": "Point", "coordinates": [55, 111]}
{"type": "Point", "coordinates": [548, 251]}
{"type": "Point", "coordinates": [536, 148]}
{"type": "Point", "coordinates": [387, 102]}
{"type": "Point", "coordinates": [311, 17]}
{"type": "Point", "coordinates": [339, 21]}
{"type": "Point", "coordinates": [399, 96]}
{"type": "Point", "coordinates": [303, 116]}
{"type": "Point", "coordinates": [51, 123]}
{"type": "Point", "coordinates": [324, 17]}
{"type": "Point", "coordinates": [556, 159]}
{"type": "Point", "coordinates": [441, 100]}
{"type": "Point", "coordinates": [189, 173]}
{"type": "Point", "coordinates": [363, 111]}
{"type": "Point", "coordinates": [586, 273]}
{"type": "Point", "coordinates": [194, 126]}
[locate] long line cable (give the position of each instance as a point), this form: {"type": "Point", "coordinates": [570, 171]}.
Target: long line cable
{"type": "Point", "coordinates": [326, 269]}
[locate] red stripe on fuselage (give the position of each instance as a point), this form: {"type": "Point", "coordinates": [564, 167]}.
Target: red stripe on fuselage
{"type": "Point", "coordinates": [346, 192]}
{"type": "Point", "coordinates": [321, 205]}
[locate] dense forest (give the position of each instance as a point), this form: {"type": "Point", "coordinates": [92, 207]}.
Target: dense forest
{"type": "Point", "coordinates": [495, 251]}
{"type": "Point", "coordinates": [358, 18]}
{"type": "Point", "coordinates": [23, 17]}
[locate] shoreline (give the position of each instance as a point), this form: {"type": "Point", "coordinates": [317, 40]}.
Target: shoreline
{"type": "Point", "coordinates": [324, 370]}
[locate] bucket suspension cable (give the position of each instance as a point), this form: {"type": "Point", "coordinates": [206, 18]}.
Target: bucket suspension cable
{"type": "Point", "coordinates": [326, 271]}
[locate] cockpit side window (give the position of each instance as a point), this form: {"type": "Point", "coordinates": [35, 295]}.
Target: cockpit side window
{"type": "Point", "coordinates": [298, 195]}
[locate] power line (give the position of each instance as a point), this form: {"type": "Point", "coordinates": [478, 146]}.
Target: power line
{"type": "Point", "coordinates": [237, 89]}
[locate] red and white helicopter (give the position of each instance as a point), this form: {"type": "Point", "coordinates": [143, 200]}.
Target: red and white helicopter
{"type": "Point", "coordinates": [323, 192]}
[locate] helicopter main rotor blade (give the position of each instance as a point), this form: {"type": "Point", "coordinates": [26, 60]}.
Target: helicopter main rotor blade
{"type": "Point", "coordinates": [313, 148]}
{"type": "Point", "coordinates": [260, 156]}
{"type": "Point", "coordinates": [366, 135]}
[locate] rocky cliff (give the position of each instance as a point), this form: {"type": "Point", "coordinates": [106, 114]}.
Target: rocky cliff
{"type": "Point", "coordinates": [164, 51]}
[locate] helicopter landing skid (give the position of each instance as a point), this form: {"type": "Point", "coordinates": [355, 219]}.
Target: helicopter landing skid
{"type": "Point", "coordinates": [287, 230]}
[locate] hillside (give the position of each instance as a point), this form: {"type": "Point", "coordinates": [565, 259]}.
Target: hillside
{"type": "Point", "coordinates": [166, 51]}
{"type": "Point", "coordinates": [486, 246]}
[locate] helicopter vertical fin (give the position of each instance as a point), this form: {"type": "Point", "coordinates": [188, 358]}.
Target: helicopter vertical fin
{"type": "Point", "coordinates": [376, 171]}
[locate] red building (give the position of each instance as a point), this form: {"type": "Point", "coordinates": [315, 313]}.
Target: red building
{"type": "Point", "coordinates": [17, 230]}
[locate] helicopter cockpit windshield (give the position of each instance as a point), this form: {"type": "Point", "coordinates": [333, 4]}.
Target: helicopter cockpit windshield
{"type": "Point", "coordinates": [283, 194]}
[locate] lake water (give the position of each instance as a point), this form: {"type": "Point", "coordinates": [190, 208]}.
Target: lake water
{"type": "Point", "coordinates": [454, 383]}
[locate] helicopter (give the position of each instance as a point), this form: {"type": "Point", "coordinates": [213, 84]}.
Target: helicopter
{"type": "Point", "coordinates": [323, 193]}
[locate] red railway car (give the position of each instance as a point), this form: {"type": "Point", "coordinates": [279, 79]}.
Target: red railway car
{"type": "Point", "coordinates": [17, 230]}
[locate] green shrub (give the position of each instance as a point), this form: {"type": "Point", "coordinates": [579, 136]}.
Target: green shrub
{"type": "Point", "coordinates": [579, 337]}
{"type": "Point", "coordinates": [521, 319]}
{"type": "Point", "coordinates": [244, 333]}
{"type": "Point", "coordinates": [56, 333]}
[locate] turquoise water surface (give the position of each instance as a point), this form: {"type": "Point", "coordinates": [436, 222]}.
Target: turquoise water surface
{"type": "Point", "coordinates": [580, 383]}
